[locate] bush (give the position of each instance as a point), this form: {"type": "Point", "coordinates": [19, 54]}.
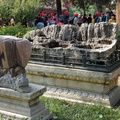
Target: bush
{"type": "Point", "coordinates": [119, 35]}
{"type": "Point", "coordinates": [21, 10]}
{"type": "Point", "coordinates": [17, 30]}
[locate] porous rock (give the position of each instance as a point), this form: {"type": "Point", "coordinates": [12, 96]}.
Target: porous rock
{"type": "Point", "coordinates": [98, 40]}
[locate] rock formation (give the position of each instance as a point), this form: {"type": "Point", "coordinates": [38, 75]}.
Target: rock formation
{"type": "Point", "coordinates": [14, 56]}
{"type": "Point", "coordinates": [96, 40]}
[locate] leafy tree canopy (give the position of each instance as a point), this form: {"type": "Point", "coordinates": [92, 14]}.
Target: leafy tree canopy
{"type": "Point", "coordinates": [21, 10]}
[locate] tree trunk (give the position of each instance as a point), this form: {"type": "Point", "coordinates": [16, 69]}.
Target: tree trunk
{"type": "Point", "coordinates": [59, 9]}
{"type": "Point", "coordinates": [82, 5]}
{"type": "Point", "coordinates": [84, 11]}
{"type": "Point", "coordinates": [99, 8]}
{"type": "Point", "coordinates": [118, 12]}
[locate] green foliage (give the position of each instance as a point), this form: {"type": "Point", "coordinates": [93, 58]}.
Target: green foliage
{"type": "Point", "coordinates": [85, 5]}
{"type": "Point", "coordinates": [24, 13]}
{"type": "Point", "coordinates": [5, 117]}
{"type": "Point", "coordinates": [91, 10]}
{"type": "Point", "coordinates": [119, 35]}
{"type": "Point", "coordinates": [77, 10]}
{"type": "Point", "coordinates": [21, 10]}
{"type": "Point", "coordinates": [63, 110]}
{"type": "Point", "coordinates": [118, 39]}
{"type": "Point", "coordinates": [17, 30]}
{"type": "Point", "coordinates": [5, 12]}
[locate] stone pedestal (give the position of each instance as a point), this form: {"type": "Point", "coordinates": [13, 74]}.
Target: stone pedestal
{"type": "Point", "coordinates": [24, 105]}
{"type": "Point", "coordinates": [77, 84]}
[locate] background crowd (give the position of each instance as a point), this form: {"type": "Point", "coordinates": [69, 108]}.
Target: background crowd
{"type": "Point", "coordinates": [43, 20]}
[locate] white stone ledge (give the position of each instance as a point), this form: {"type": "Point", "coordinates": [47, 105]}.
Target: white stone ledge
{"type": "Point", "coordinates": [36, 91]}
{"type": "Point", "coordinates": [72, 74]}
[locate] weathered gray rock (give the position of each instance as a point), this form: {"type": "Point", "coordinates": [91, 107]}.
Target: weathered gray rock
{"type": "Point", "coordinates": [18, 83]}
{"type": "Point", "coordinates": [14, 56]}
{"type": "Point", "coordinates": [97, 40]}
{"type": "Point", "coordinates": [14, 52]}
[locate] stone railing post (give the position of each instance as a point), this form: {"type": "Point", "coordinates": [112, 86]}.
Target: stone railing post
{"type": "Point", "coordinates": [44, 56]}
{"type": "Point", "coordinates": [63, 58]}
{"type": "Point", "coordinates": [118, 54]}
{"type": "Point", "coordinates": [107, 63]}
{"type": "Point", "coordinates": [114, 57]}
{"type": "Point", "coordinates": [84, 60]}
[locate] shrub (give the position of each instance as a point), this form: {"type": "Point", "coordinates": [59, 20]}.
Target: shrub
{"type": "Point", "coordinates": [119, 35]}
{"type": "Point", "coordinates": [17, 30]}
{"type": "Point", "coordinates": [21, 10]}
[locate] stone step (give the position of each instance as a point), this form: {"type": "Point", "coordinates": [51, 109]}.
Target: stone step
{"type": "Point", "coordinates": [72, 95]}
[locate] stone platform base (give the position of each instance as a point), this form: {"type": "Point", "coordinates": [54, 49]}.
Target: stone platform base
{"type": "Point", "coordinates": [24, 105]}
{"type": "Point", "coordinates": [77, 84]}
{"type": "Point", "coordinates": [108, 100]}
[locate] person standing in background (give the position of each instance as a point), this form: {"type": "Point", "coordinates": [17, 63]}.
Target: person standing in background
{"type": "Point", "coordinates": [75, 19]}
{"type": "Point", "coordinates": [79, 22]}
{"type": "Point", "coordinates": [93, 19]}
{"type": "Point", "coordinates": [89, 19]}
{"type": "Point", "coordinates": [55, 18]}
{"type": "Point", "coordinates": [107, 17]}
{"type": "Point", "coordinates": [84, 18]}
{"type": "Point", "coordinates": [96, 17]}
{"type": "Point", "coordinates": [61, 22]}
{"type": "Point", "coordinates": [39, 21]}
{"type": "Point", "coordinates": [112, 19]}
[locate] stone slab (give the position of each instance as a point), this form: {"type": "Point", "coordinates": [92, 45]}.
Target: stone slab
{"type": "Point", "coordinates": [36, 90]}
